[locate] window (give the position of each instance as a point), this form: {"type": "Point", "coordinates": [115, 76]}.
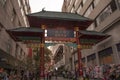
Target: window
{"type": "Point", "coordinates": [70, 2]}
{"type": "Point", "coordinates": [20, 54]}
{"type": "Point", "coordinates": [24, 2]}
{"type": "Point", "coordinates": [1, 27]}
{"type": "Point", "coordinates": [113, 5]}
{"type": "Point", "coordinates": [95, 2]}
{"type": "Point", "coordinates": [16, 50]}
{"type": "Point", "coordinates": [76, 1]}
{"type": "Point", "coordinates": [98, 21]}
{"type": "Point", "coordinates": [91, 59]}
{"type": "Point", "coordinates": [106, 12]}
{"type": "Point", "coordinates": [103, 15]}
{"type": "Point", "coordinates": [84, 1]}
{"type": "Point", "coordinates": [106, 56]}
{"type": "Point", "coordinates": [8, 46]}
{"type": "Point", "coordinates": [89, 10]}
{"type": "Point", "coordinates": [13, 15]}
{"type": "Point", "coordinates": [118, 1]}
{"type": "Point", "coordinates": [83, 61]}
{"type": "Point", "coordinates": [81, 4]}
{"type": "Point", "coordinates": [95, 23]}
{"type": "Point", "coordinates": [22, 11]}
{"type": "Point", "coordinates": [118, 47]}
{"type": "Point", "coordinates": [19, 2]}
{"type": "Point", "coordinates": [91, 27]}
{"type": "Point", "coordinates": [27, 1]}
{"type": "Point", "coordinates": [72, 10]}
{"type": "Point", "coordinates": [80, 7]}
{"type": "Point", "coordinates": [2, 2]}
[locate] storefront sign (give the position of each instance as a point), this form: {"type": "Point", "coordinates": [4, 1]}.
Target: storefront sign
{"type": "Point", "coordinates": [60, 33]}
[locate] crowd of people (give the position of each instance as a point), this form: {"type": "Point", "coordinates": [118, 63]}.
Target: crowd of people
{"type": "Point", "coordinates": [6, 74]}
{"type": "Point", "coordinates": [103, 72]}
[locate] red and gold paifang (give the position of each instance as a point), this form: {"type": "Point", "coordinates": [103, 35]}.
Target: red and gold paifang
{"type": "Point", "coordinates": [60, 39]}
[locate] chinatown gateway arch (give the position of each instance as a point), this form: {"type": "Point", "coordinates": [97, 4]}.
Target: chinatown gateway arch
{"type": "Point", "coordinates": [61, 27]}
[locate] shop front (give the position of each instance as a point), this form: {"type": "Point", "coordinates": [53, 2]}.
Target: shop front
{"type": "Point", "coordinates": [106, 56]}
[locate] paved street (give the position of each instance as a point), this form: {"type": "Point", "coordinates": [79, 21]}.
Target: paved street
{"type": "Point", "coordinates": [59, 78]}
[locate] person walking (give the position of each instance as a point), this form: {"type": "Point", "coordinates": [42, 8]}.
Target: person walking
{"type": "Point", "coordinates": [50, 75]}
{"type": "Point", "coordinates": [55, 74]}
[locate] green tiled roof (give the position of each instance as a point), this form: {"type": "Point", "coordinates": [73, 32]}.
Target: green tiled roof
{"type": "Point", "coordinates": [91, 37]}
{"type": "Point", "coordinates": [94, 33]}
{"type": "Point", "coordinates": [59, 15]}
{"type": "Point", "coordinates": [29, 38]}
{"type": "Point", "coordinates": [27, 29]}
{"type": "Point", "coordinates": [26, 33]}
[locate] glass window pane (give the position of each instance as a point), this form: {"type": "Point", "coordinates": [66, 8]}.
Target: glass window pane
{"type": "Point", "coordinates": [96, 2]}
{"type": "Point", "coordinates": [118, 47]}
{"type": "Point", "coordinates": [118, 3]}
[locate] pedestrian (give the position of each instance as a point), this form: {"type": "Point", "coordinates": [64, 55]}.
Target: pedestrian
{"type": "Point", "coordinates": [22, 74]}
{"type": "Point", "coordinates": [118, 76]}
{"type": "Point", "coordinates": [76, 75]}
{"type": "Point", "coordinates": [6, 77]}
{"type": "Point", "coordinates": [63, 74]}
{"type": "Point", "coordinates": [47, 75]}
{"type": "Point", "coordinates": [30, 75]}
{"type": "Point", "coordinates": [55, 75]}
{"type": "Point", "coordinates": [1, 74]}
{"type": "Point", "coordinates": [50, 75]}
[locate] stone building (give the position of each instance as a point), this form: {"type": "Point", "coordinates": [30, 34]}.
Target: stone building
{"type": "Point", "coordinates": [105, 14]}
{"type": "Point", "coordinates": [12, 15]}
{"type": "Point", "coordinates": [61, 57]}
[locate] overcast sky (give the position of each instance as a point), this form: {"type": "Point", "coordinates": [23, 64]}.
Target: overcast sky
{"type": "Point", "coordinates": [49, 5]}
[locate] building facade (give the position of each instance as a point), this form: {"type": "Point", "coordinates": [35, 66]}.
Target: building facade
{"type": "Point", "coordinates": [106, 19]}
{"type": "Point", "coordinates": [58, 56]}
{"type": "Point", "coordinates": [12, 15]}
{"type": "Point", "coordinates": [62, 57]}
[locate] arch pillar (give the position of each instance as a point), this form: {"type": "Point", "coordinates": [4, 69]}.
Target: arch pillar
{"type": "Point", "coordinates": [79, 52]}
{"type": "Point", "coordinates": [42, 59]}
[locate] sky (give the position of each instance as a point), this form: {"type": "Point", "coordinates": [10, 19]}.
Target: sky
{"type": "Point", "coordinates": [48, 5]}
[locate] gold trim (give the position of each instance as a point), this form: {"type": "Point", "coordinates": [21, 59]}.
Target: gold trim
{"type": "Point", "coordinates": [43, 26]}
{"type": "Point", "coordinates": [41, 45]}
{"type": "Point", "coordinates": [78, 46]}
{"type": "Point", "coordinates": [76, 28]}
